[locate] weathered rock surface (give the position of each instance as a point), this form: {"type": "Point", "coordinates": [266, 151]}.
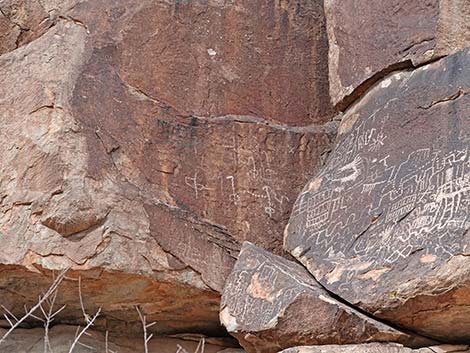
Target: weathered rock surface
{"type": "Point", "coordinates": [62, 337]}
{"type": "Point", "coordinates": [22, 21]}
{"type": "Point", "coordinates": [217, 57]}
{"type": "Point", "coordinates": [385, 224]}
{"type": "Point", "coordinates": [270, 303]}
{"type": "Point", "coordinates": [377, 348]}
{"type": "Point", "coordinates": [188, 138]}
{"type": "Point", "coordinates": [368, 39]}
{"type": "Point", "coordinates": [141, 144]}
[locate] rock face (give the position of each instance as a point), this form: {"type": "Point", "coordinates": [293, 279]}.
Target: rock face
{"type": "Point", "coordinates": [22, 21]}
{"type": "Point", "coordinates": [140, 145]}
{"type": "Point", "coordinates": [270, 303]}
{"type": "Point", "coordinates": [385, 224]}
{"type": "Point", "coordinates": [377, 348]}
{"type": "Point", "coordinates": [370, 39]}
{"type": "Point", "coordinates": [61, 338]}
{"type": "Point", "coordinates": [197, 133]}
{"type": "Point", "coordinates": [144, 141]}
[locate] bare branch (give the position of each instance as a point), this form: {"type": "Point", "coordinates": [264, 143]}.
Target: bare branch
{"type": "Point", "coordinates": [85, 315]}
{"type": "Point", "coordinates": [86, 346]}
{"type": "Point", "coordinates": [78, 335]}
{"type": "Point", "coordinates": [6, 317]}
{"type": "Point", "coordinates": [52, 289]}
{"type": "Point", "coordinates": [203, 346]}
{"type": "Point", "coordinates": [106, 342]}
{"type": "Point", "coordinates": [145, 326]}
{"type": "Point", "coordinates": [48, 317]}
{"type": "Point", "coordinates": [58, 311]}
{"type": "Point", "coordinates": [181, 349]}
{"type": "Point", "coordinates": [10, 313]}
{"type": "Point", "coordinates": [200, 346]}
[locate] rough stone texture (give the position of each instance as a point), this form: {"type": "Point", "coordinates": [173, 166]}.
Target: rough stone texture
{"type": "Point", "coordinates": [220, 162]}
{"type": "Point", "coordinates": [176, 306]}
{"type": "Point", "coordinates": [368, 39]}
{"type": "Point", "coordinates": [270, 303]}
{"type": "Point", "coordinates": [22, 21]}
{"type": "Point", "coordinates": [211, 58]}
{"type": "Point", "coordinates": [385, 224]}
{"type": "Point", "coordinates": [140, 144]}
{"type": "Point", "coordinates": [376, 348]}
{"type": "Point", "coordinates": [61, 338]}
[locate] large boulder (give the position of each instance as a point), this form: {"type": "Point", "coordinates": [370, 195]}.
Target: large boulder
{"type": "Point", "coordinates": [385, 224]}
{"type": "Point", "coordinates": [377, 348]}
{"type": "Point", "coordinates": [140, 145]}
{"type": "Point", "coordinates": [369, 39]}
{"type": "Point", "coordinates": [270, 303]}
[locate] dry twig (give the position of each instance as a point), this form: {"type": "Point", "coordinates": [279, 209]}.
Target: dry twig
{"type": "Point", "coordinates": [51, 292]}
{"type": "Point", "coordinates": [145, 326]}
{"type": "Point", "coordinates": [85, 315]}
{"type": "Point", "coordinates": [48, 316]}
{"type": "Point", "coordinates": [200, 346]}
{"type": "Point", "coordinates": [80, 333]}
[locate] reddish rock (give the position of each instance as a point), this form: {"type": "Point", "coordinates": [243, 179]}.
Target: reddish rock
{"type": "Point", "coordinates": [61, 338]}
{"type": "Point", "coordinates": [385, 224]}
{"type": "Point", "coordinates": [8, 34]}
{"type": "Point", "coordinates": [219, 57]}
{"type": "Point", "coordinates": [370, 39]}
{"type": "Point", "coordinates": [170, 121]}
{"type": "Point", "coordinates": [22, 21]}
{"type": "Point", "coordinates": [376, 348]}
{"type": "Point", "coordinates": [270, 303]}
{"type": "Point", "coordinates": [177, 300]}
{"type": "Point", "coordinates": [142, 143]}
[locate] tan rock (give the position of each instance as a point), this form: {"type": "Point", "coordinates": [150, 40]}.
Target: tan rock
{"type": "Point", "coordinates": [368, 40]}
{"type": "Point", "coordinates": [386, 225]}
{"type": "Point", "coordinates": [141, 144]}
{"type": "Point", "coordinates": [376, 348]}
{"type": "Point", "coordinates": [62, 337]}
{"type": "Point", "coordinates": [270, 303]}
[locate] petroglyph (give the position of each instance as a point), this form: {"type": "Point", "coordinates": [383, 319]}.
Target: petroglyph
{"type": "Point", "coordinates": [391, 214]}
{"type": "Point", "coordinates": [271, 300]}
{"type": "Point", "coordinates": [263, 287]}
{"type": "Point", "coordinates": [195, 184]}
{"type": "Point", "coordinates": [429, 187]}
{"type": "Point", "coordinates": [255, 180]}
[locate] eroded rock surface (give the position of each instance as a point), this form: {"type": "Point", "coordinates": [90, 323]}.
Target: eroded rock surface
{"type": "Point", "coordinates": [62, 337]}
{"type": "Point", "coordinates": [22, 21]}
{"type": "Point", "coordinates": [141, 144]}
{"type": "Point", "coordinates": [369, 39]}
{"type": "Point", "coordinates": [270, 303]}
{"type": "Point", "coordinates": [199, 134]}
{"type": "Point", "coordinates": [376, 348]}
{"type": "Point", "coordinates": [385, 224]}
